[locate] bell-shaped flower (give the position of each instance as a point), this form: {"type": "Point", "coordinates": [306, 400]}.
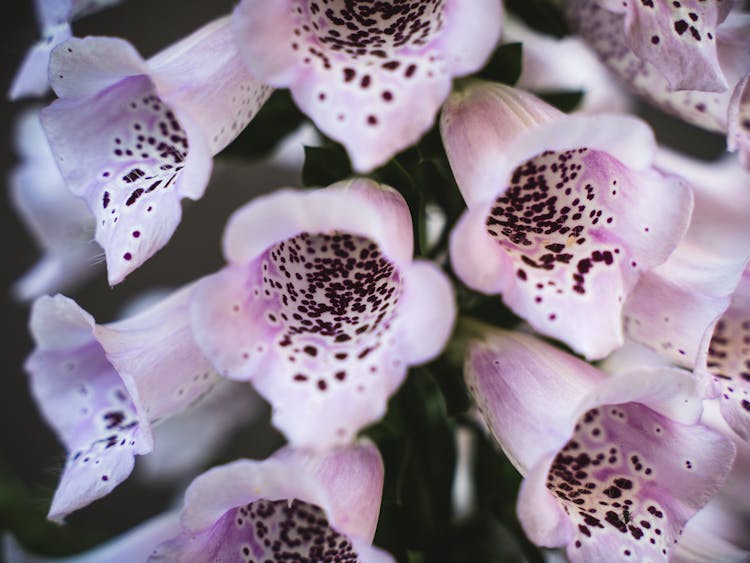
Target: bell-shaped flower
{"type": "Point", "coordinates": [134, 137]}
{"type": "Point", "coordinates": [726, 111]}
{"type": "Point", "coordinates": [679, 39]}
{"type": "Point", "coordinates": [293, 506]}
{"type": "Point", "coordinates": [371, 75]}
{"type": "Point", "coordinates": [59, 222]}
{"type": "Point", "coordinates": [551, 65]}
{"type": "Point", "coordinates": [675, 306]}
{"type": "Point", "coordinates": [322, 307]}
{"type": "Point", "coordinates": [564, 212]}
{"type": "Point", "coordinates": [54, 17]}
{"type": "Point", "coordinates": [101, 387]}
{"type": "Point", "coordinates": [614, 466]}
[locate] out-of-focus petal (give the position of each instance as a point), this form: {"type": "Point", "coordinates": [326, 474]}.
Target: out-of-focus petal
{"type": "Point", "coordinates": [360, 71]}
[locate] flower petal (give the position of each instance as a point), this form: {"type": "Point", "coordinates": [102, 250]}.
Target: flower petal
{"type": "Point", "coordinates": [318, 307]}
{"type": "Point", "coordinates": [242, 509]}
{"type": "Point", "coordinates": [61, 224]}
{"type": "Point", "coordinates": [101, 386]}
{"type": "Point", "coordinates": [738, 135]}
{"type": "Point", "coordinates": [134, 545]}
{"type": "Point", "coordinates": [355, 89]}
{"type": "Point", "coordinates": [31, 77]}
{"type": "Point", "coordinates": [576, 217]}
{"type": "Point", "coordinates": [527, 391]}
{"type": "Point", "coordinates": [132, 138]}
{"type": "Point", "coordinates": [679, 39]}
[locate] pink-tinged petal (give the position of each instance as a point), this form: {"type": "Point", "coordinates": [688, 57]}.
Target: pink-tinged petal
{"type": "Point", "coordinates": [707, 536]}
{"type": "Point", "coordinates": [602, 30]}
{"type": "Point", "coordinates": [478, 125]}
{"type": "Point", "coordinates": [728, 360]}
{"type": "Point", "coordinates": [320, 308]}
{"type": "Point", "coordinates": [428, 312]}
{"type": "Point", "coordinates": [576, 217]}
{"type": "Point", "coordinates": [101, 386]}
{"type": "Point", "coordinates": [241, 510]}
{"type": "Point", "coordinates": [738, 134]}
{"type": "Point", "coordinates": [675, 307]}
{"type": "Point", "coordinates": [552, 64]}
{"type": "Point", "coordinates": [527, 392]}
{"type": "Point", "coordinates": [190, 439]}
{"type": "Point", "coordinates": [31, 77]}
{"type": "Point", "coordinates": [359, 206]}
{"type": "Point", "coordinates": [134, 545]}
{"type": "Point", "coordinates": [614, 466]}
{"type": "Point", "coordinates": [132, 138]}
{"type": "Point", "coordinates": [679, 39]}
{"type": "Point", "coordinates": [354, 90]}
{"type": "Point", "coordinates": [59, 222]}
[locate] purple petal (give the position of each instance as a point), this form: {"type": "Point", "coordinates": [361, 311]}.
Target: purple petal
{"type": "Point", "coordinates": [354, 89]}
{"type": "Point", "coordinates": [321, 308]}
{"type": "Point", "coordinates": [134, 545]}
{"type": "Point", "coordinates": [679, 39]}
{"type": "Point", "coordinates": [61, 224]}
{"type": "Point", "coordinates": [31, 77]}
{"type": "Point", "coordinates": [738, 134]}
{"type": "Point", "coordinates": [281, 506]}
{"type": "Point", "coordinates": [575, 216]}
{"type": "Point", "coordinates": [132, 138]}
{"type": "Point", "coordinates": [101, 387]}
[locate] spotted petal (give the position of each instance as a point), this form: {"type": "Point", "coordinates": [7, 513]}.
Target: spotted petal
{"type": "Point", "coordinates": [674, 308]}
{"type": "Point", "coordinates": [102, 386]}
{"type": "Point", "coordinates": [132, 138]}
{"type": "Point", "coordinates": [614, 466]}
{"type": "Point", "coordinates": [565, 214]}
{"type": "Point", "coordinates": [322, 307]}
{"type": "Point", "coordinates": [135, 545]}
{"type": "Point", "coordinates": [679, 39]}
{"type": "Point", "coordinates": [738, 135]}
{"type": "Point", "coordinates": [371, 76]}
{"type": "Point", "coordinates": [59, 222]}
{"type": "Point", "coordinates": [292, 505]}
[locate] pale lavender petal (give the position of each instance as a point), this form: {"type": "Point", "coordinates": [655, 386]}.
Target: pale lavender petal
{"type": "Point", "coordinates": [576, 216]}
{"type": "Point", "coordinates": [527, 392]}
{"type": "Point", "coordinates": [135, 545]}
{"type": "Point", "coordinates": [708, 536]}
{"type": "Point", "coordinates": [31, 77]}
{"type": "Point", "coordinates": [320, 307]}
{"type": "Point", "coordinates": [552, 64]}
{"type": "Point", "coordinates": [102, 386]}
{"type": "Point", "coordinates": [728, 360]}
{"type": "Point", "coordinates": [61, 224]}
{"type": "Point", "coordinates": [132, 138]}
{"type": "Point", "coordinates": [679, 39]}
{"type": "Point", "coordinates": [738, 134]}
{"type": "Point", "coordinates": [355, 89]}
{"type": "Point", "coordinates": [613, 465]}
{"type": "Point", "coordinates": [245, 509]}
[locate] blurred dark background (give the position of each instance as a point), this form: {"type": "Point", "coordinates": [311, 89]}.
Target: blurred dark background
{"type": "Point", "coordinates": [30, 456]}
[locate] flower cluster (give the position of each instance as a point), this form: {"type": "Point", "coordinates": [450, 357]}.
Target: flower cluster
{"type": "Point", "coordinates": [470, 279]}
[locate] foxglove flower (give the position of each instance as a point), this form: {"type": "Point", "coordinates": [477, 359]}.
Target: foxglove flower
{"type": "Point", "coordinates": [614, 466]}
{"type": "Point", "coordinates": [134, 137]}
{"type": "Point", "coordinates": [675, 307]}
{"type": "Point", "coordinates": [564, 212]}
{"type": "Point", "coordinates": [726, 110]}
{"type": "Point", "coordinates": [133, 546]}
{"type": "Point", "coordinates": [551, 65]}
{"type": "Point", "coordinates": [678, 38]}
{"type": "Point", "coordinates": [60, 223]}
{"type": "Point", "coordinates": [292, 506]}
{"type": "Point", "coordinates": [370, 75]}
{"type": "Point", "coordinates": [54, 17]}
{"type": "Point", "coordinates": [322, 307]}
{"type": "Point", "coordinates": [101, 387]}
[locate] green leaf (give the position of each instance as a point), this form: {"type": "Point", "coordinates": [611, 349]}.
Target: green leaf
{"type": "Point", "coordinates": [325, 165]}
{"type": "Point", "coordinates": [277, 118]}
{"type": "Point", "coordinates": [543, 15]}
{"type": "Point", "coordinates": [504, 64]}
